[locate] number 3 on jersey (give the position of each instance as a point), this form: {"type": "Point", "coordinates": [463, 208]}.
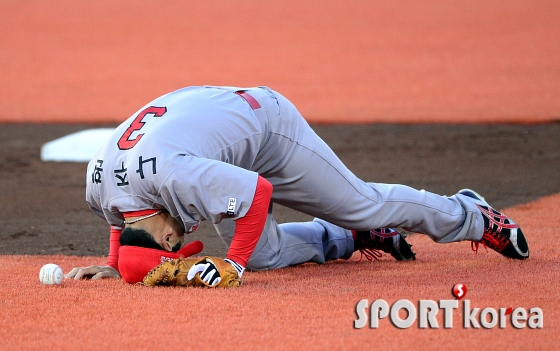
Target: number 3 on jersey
{"type": "Point", "coordinates": [124, 142]}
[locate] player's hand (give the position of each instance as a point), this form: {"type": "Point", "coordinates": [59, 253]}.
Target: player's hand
{"type": "Point", "coordinates": [208, 273]}
{"type": "Point", "coordinates": [93, 272]}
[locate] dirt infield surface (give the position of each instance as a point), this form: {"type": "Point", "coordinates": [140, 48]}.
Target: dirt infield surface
{"type": "Point", "coordinates": [509, 164]}
{"type": "Point", "coordinates": [489, 69]}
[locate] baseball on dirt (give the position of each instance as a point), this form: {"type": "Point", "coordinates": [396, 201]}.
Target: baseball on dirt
{"type": "Point", "coordinates": [51, 274]}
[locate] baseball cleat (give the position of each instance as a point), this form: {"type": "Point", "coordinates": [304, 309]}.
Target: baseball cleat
{"type": "Point", "coordinates": [500, 233]}
{"type": "Point", "coordinates": [385, 239]}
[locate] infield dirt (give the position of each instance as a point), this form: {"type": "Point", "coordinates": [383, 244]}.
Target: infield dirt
{"type": "Point", "coordinates": [44, 209]}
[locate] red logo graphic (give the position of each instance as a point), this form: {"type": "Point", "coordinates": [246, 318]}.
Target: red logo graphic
{"type": "Point", "coordinates": [459, 291]}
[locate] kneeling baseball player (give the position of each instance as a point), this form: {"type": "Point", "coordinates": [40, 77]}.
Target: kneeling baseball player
{"type": "Point", "coordinates": [225, 155]}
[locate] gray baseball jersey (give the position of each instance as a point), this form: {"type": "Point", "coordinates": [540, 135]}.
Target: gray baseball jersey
{"type": "Point", "coordinates": [196, 152]}
{"type": "Point", "coordinates": [191, 152]}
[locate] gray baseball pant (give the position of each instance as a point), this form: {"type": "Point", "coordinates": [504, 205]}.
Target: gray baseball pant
{"type": "Point", "coordinates": [308, 177]}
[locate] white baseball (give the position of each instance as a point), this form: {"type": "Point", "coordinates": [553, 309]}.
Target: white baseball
{"type": "Point", "coordinates": [51, 274]}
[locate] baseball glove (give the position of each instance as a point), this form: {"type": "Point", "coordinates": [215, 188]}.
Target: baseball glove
{"type": "Point", "coordinates": [211, 272]}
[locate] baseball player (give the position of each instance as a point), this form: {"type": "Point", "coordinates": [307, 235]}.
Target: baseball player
{"type": "Point", "coordinates": [226, 154]}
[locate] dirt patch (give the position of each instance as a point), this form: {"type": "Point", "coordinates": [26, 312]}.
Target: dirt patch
{"type": "Point", "coordinates": [44, 210]}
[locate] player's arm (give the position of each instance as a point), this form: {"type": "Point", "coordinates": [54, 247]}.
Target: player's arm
{"type": "Point", "coordinates": [111, 270]}
{"type": "Point", "coordinates": [99, 272]}
{"type": "Point", "coordinates": [248, 229]}
{"type": "Point", "coordinates": [215, 190]}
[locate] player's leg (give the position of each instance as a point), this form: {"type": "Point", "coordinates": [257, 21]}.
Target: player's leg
{"type": "Point", "coordinates": [288, 244]}
{"type": "Point", "coordinates": [309, 177]}
{"type": "Point", "coordinates": [291, 244]}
